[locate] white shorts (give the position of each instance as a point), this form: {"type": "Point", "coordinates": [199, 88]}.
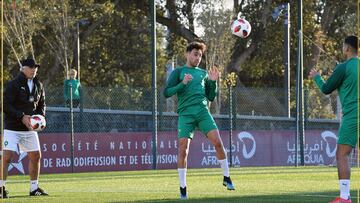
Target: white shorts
{"type": "Point", "coordinates": [28, 141]}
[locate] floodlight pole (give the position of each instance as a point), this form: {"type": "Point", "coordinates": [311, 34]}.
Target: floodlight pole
{"type": "Point", "coordinates": [71, 128]}
{"type": "Point", "coordinates": [231, 84]}
{"type": "Point", "coordinates": [231, 122]}
{"type": "Point", "coordinates": [2, 88]}
{"type": "Point", "coordinates": [154, 88]}
{"type": "Point", "coordinates": [78, 23]}
{"type": "Point", "coordinates": [287, 59]}
{"type": "Point", "coordinates": [300, 133]}
{"type": "Point", "coordinates": [279, 11]}
{"type": "Point", "coordinates": [78, 49]}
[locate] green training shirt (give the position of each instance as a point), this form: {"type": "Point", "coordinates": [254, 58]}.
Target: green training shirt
{"type": "Point", "coordinates": [197, 92]}
{"type": "Point", "coordinates": [75, 89]}
{"type": "Point", "coordinates": [345, 79]}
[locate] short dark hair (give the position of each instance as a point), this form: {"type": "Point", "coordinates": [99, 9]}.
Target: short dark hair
{"type": "Point", "coordinates": [196, 45]}
{"type": "Point", "coordinates": [352, 41]}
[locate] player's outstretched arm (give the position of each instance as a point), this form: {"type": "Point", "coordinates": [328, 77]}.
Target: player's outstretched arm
{"type": "Point", "coordinates": [333, 82]}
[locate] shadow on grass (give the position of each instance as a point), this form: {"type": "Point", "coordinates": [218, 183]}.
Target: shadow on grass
{"type": "Point", "coordinates": [26, 197]}
{"type": "Point", "coordinates": [288, 198]}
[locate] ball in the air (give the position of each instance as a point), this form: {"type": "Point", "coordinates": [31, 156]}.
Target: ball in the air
{"type": "Point", "coordinates": [241, 28]}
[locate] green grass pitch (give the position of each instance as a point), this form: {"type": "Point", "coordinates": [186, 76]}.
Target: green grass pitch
{"type": "Point", "coordinates": [255, 184]}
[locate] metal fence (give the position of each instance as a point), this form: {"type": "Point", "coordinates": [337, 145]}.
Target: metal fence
{"type": "Point", "coordinates": [247, 101]}
{"type": "Point", "coordinates": [129, 109]}
{"type": "Point", "coordinates": [117, 123]}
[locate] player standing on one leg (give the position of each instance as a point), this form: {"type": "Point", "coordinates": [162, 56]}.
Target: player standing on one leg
{"type": "Point", "coordinates": [194, 88]}
{"type": "Point", "coordinates": [345, 79]}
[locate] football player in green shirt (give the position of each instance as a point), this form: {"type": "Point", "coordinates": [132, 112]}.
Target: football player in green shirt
{"type": "Point", "coordinates": [194, 87]}
{"type": "Point", "coordinates": [344, 79]}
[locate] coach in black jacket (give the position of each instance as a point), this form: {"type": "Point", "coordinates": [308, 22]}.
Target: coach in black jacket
{"type": "Point", "coordinates": [19, 101]}
{"type": "Point", "coordinates": [24, 96]}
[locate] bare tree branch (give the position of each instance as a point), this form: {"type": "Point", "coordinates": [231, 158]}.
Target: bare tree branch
{"type": "Point", "coordinates": [326, 18]}
{"type": "Point", "coordinates": [171, 23]}
{"type": "Point", "coordinates": [8, 39]}
{"type": "Point", "coordinates": [178, 28]}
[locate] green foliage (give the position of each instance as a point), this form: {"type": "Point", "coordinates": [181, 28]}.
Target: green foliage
{"type": "Point", "coordinates": [115, 39]}
{"type": "Point", "coordinates": [217, 35]}
{"type": "Point", "coordinates": [231, 79]}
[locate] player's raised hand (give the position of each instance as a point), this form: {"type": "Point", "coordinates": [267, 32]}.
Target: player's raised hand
{"type": "Point", "coordinates": [213, 73]}
{"type": "Point", "coordinates": [187, 78]}
{"type": "Point", "coordinates": [313, 73]}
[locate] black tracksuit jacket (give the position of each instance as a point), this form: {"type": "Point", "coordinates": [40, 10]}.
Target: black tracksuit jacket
{"type": "Point", "coordinates": [18, 101]}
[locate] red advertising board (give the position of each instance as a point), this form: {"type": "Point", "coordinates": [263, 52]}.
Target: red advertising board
{"type": "Point", "coordinates": [133, 150]}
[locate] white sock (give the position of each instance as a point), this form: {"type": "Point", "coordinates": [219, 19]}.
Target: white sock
{"type": "Point", "coordinates": [225, 167]}
{"type": "Point", "coordinates": [2, 183]}
{"type": "Point", "coordinates": [344, 188]}
{"type": "Point", "coordinates": [33, 185]}
{"type": "Point", "coordinates": [182, 177]}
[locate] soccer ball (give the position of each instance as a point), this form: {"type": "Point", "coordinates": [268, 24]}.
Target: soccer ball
{"type": "Point", "coordinates": [241, 27]}
{"type": "Point", "coordinates": [37, 122]}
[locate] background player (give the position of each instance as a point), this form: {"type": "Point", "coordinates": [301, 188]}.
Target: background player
{"type": "Point", "coordinates": [345, 80]}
